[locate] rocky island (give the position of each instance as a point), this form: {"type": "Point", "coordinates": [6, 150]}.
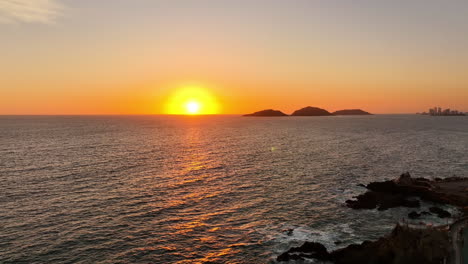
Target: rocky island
{"type": "Point", "coordinates": [311, 111]}
{"type": "Point", "coordinates": [406, 243]}
{"type": "Point", "coordinates": [268, 112]}
{"type": "Point", "coordinates": [351, 112]}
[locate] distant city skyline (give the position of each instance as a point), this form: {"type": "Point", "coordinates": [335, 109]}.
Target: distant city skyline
{"type": "Point", "coordinates": [437, 111]}
{"type": "Point", "coordinates": [131, 57]}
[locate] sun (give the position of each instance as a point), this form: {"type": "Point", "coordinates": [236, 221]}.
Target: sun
{"type": "Point", "coordinates": [193, 108]}
{"type": "Point", "coordinates": [192, 100]}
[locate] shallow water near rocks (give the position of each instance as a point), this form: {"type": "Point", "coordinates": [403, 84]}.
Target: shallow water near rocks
{"type": "Point", "coordinates": [213, 189]}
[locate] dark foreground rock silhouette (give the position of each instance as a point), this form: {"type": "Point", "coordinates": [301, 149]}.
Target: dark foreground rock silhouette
{"type": "Point", "coordinates": [394, 193]}
{"type": "Point", "coordinates": [311, 111]}
{"type": "Point", "coordinates": [351, 112]}
{"type": "Point", "coordinates": [403, 245]}
{"type": "Point", "coordinates": [268, 112]}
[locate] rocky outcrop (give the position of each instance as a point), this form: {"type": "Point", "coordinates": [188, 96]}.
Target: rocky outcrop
{"type": "Point", "coordinates": [381, 201]}
{"type": "Point", "coordinates": [311, 111]}
{"type": "Point", "coordinates": [307, 250]}
{"type": "Point", "coordinates": [404, 245]}
{"type": "Point", "coordinates": [351, 112]}
{"type": "Point", "coordinates": [440, 212]}
{"type": "Point", "coordinates": [388, 194]}
{"type": "Point", "coordinates": [414, 215]}
{"type": "Point", "coordinates": [268, 112]}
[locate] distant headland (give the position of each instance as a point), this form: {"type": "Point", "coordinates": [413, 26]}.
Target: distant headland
{"type": "Point", "coordinates": [310, 111]}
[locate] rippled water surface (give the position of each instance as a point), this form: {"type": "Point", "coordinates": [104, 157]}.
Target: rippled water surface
{"type": "Point", "coordinates": [223, 189]}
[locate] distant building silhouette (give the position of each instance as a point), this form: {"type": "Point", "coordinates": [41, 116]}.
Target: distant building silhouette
{"type": "Point", "coordinates": [437, 111]}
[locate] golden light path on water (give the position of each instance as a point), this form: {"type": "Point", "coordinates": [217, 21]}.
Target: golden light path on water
{"type": "Point", "coordinates": [205, 189]}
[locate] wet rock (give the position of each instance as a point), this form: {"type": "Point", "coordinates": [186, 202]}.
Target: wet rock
{"type": "Point", "coordinates": [381, 200]}
{"type": "Point", "coordinates": [440, 212]}
{"type": "Point", "coordinates": [389, 194]}
{"type": "Point", "coordinates": [307, 250]}
{"type": "Point", "coordinates": [414, 215]}
{"type": "Point", "coordinates": [402, 246]}
{"type": "Point", "coordinates": [405, 178]}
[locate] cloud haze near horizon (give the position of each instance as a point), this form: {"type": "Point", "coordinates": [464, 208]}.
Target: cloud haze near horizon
{"type": "Point", "coordinates": [29, 11]}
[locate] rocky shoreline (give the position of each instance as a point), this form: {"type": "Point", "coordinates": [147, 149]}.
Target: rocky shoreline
{"type": "Point", "coordinates": [406, 243]}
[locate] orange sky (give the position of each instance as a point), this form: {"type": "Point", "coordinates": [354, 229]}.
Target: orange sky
{"type": "Point", "coordinates": [94, 58]}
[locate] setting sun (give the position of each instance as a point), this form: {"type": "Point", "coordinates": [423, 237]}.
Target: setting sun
{"type": "Point", "coordinates": [192, 100]}
{"type": "Point", "coordinates": [193, 107]}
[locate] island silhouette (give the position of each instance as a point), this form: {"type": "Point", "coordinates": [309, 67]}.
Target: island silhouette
{"type": "Point", "coordinates": [309, 111]}
{"type": "Point", "coordinates": [351, 112]}
{"type": "Point", "coordinates": [267, 112]}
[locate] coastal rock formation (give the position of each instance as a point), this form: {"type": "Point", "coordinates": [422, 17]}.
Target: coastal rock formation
{"type": "Point", "coordinates": [308, 250]}
{"type": "Point", "coordinates": [311, 111]}
{"type": "Point", "coordinates": [268, 112]}
{"type": "Point", "coordinates": [394, 193]}
{"type": "Point", "coordinates": [351, 112]}
{"type": "Point", "coordinates": [381, 201]}
{"type": "Point", "coordinates": [414, 215]}
{"type": "Point", "coordinates": [440, 212]}
{"type": "Point", "coordinates": [403, 245]}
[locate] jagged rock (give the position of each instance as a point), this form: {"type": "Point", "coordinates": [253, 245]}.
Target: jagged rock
{"type": "Point", "coordinates": [440, 212]}
{"type": "Point", "coordinates": [402, 246]}
{"type": "Point", "coordinates": [446, 191]}
{"type": "Point", "coordinates": [405, 178]}
{"type": "Point", "coordinates": [308, 249]}
{"type": "Point", "coordinates": [381, 200]}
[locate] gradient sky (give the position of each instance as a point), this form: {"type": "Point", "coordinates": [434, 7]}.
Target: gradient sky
{"type": "Point", "coordinates": [125, 57]}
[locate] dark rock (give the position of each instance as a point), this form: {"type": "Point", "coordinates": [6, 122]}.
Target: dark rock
{"type": "Point", "coordinates": [425, 213]}
{"type": "Point", "coordinates": [351, 112]}
{"type": "Point", "coordinates": [440, 212]}
{"type": "Point", "coordinates": [268, 112]}
{"type": "Point", "coordinates": [386, 187]}
{"type": "Point", "coordinates": [414, 215]}
{"type": "Point", "coordinates": [361, 185]}
{"type": "Point", "coordinates": [308, 249]}
{"type": "Point", "coordinates": [311, 111]}
{"type": "Point", "coordinates": [338, 242]}
{"type": "Point", "coordinates": [402, 246]}
{"type": "Point", "coordinates": [381, 200]}
{"type": "Point", "coordinates": [395, 192]}
{"type": "Point", "coordinates": [287, 257]}
{"type": "Point", "coordinates": [367, 200]}
{"type": "Point", "coordinates": [405, 178]}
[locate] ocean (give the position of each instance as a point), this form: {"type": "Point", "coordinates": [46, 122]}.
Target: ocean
{"type": "Point", "coordinates": [206, 189]}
